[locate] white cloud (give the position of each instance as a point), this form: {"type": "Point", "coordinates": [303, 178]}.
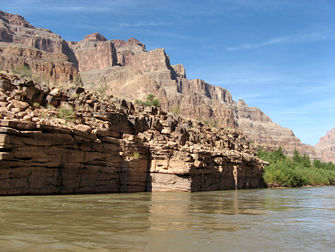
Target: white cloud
{"type": "Point", "coordinates": [79, 6]}
{"type": "Point", "coordinates": [145, 24]}
{"type": "Point", "coordinates": [82, 9]}
{"type": "Point", "coordinates": [313, 36]}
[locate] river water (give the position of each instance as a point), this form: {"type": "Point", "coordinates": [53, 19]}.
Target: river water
{"type": "Point", "coordinates": [301, 219]}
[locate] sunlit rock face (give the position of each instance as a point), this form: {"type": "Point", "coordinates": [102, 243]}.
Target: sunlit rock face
{"type": "Point", "coordinates": [325, 148]}
{"type": "Point", "coordinates": [67, 141]}
{"type": "Point", "coordinates": [127, 70]}
{"type": "Point", "coordinates": [262, 131]}
{"type": "Point", "coordinates": [41, 50]}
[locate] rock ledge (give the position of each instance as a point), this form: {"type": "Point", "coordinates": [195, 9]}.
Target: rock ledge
{"type": "Point", "coordinates": [111, 145]}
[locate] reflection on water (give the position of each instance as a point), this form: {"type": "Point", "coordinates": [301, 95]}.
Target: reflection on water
{"type": "Point", "coordinates": [254, 220]}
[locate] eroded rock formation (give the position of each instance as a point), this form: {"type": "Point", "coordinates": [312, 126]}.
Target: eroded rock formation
{"type": "Point", "coordinates": [43, 51]}
{"type": "Point", "coordinates": [110, 145]}
{"type": "Point", "coordinates": [325, 148]}
{"type": "Point", "coordinates": [94, 52]}
{"type": "Point", "coordinates": [263, 132]}
{"type": "Point", "coordinates": [127, 70]}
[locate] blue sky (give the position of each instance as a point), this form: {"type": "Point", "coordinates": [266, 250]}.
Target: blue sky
{"type": "Point", "coordinates": [277, 55]}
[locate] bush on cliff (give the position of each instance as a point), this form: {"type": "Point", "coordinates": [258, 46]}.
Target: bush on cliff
{"type": "Point", "coordinates": [210, 122]}
{"type": "Point", "coordinates": [175, 111]}
{"type": "Point", "coordinates": [23, 71]}
{"type": "Point", "coordinates": [66, 112]}
{"type": "Point", "coordinates": [295, 171]}
{"type": "Point", "coordinates": [150, 101]}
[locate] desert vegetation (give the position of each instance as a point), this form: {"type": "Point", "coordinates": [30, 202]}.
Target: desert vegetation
{"type": "Point", "coordinates": [24, 71]}
{"type": "Point", "coordinates": [210, 121]}
{"type": "Point", "coordinates": [295, 171]}
{"type": "Point", "coordinates": [151, 101]}
{"type": "Point", "coordinates": [175, 111]}
{"type": "Point", "coordinates": [66, 112]}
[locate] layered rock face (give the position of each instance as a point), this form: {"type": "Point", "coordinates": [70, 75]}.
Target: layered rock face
{"type": "Point", "coordinates": [110, 145]}
{"type": "Point", "coordinates": [141, 73]}
{"type": "Point", "coordinates": [44, 52]}
{"type": "Point", "coordinates": [127, 70]}
{"type": "Point", "coordinates": [325, 148]}
{"type": "Point", "coordinates": [94, 52]}
{"type": "Point", "coordinates": [263, 132]}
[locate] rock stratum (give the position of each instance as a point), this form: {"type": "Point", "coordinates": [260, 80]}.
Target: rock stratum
{"type": "Point", "coordinates": [43, 51]}
{"type": "Point", "coordinates": [325, 148]}
{"type": "Point", "coordinates": [127, 70]}
{"type": "Point", "coordinates": [110, 145]}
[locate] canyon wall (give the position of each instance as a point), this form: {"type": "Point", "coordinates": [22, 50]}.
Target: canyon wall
{"type": "Point", "coordinates": [127, 70]}
{"type": "Point", "coordinates": [111, 145]}
{"type": "Point", "coordinates": [325, 148]}
{"type": "Point", "coordinates": [94, 52]}
{"type": "Point", "coordinates": [44, 52]}
{"type": "Point", "coordinates": [263, 132]}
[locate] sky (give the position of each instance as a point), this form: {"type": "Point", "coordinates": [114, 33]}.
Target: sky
{"type": "Point", "coordinates": [277, 55]}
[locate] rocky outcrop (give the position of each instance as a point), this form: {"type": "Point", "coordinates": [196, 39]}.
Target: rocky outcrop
{"type": "Point", "coordinates": [110, 145]}
{"type": "Point", "coordinates": [325, 148]}
{"type": "Point", "coordinates": [127, 49]}
{"type": "Point", "coordinates": [94, 52]}
{"type": "Point", "coordinates": [140, 73]}
{"type": "Point", "coordinates": [263, 132]}
{"type": "Point", "coordinates": [143, 72]}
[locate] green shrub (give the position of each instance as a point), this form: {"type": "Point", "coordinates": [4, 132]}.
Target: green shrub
{"type": "Point", "coordinates": [176, 111]}
{"type": "Point", "coordinates": [150, 101]}
{"type": "Point", "coordinates": [284, 174]}
{"type": "Point", "coordinates": [101, 89]}
{"type": "Point", "coordinates": [23, 71]}
{"type": "Point", "coordinates": [296, 171]}
{"type": "Point", "coordinates": [156, 103]}
{"type": "Point", "coordinates": [213, 123]}
{"type": "Point", "coordinates": [210, 122]}
{"type": "Point", "coordinates": [150, 97]}
{"type": "Point", "coordinates": [43, 115]}
{"type": "Point", "coordinates": [136, 155]}
{"type": "Point", "coordinates": [66, 112]}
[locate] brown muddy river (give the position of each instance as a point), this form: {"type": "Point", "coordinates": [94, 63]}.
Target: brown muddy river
{"type": "Point", "coordinates": [301, 219]}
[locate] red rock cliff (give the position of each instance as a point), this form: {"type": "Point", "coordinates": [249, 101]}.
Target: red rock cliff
{"type": "Point", "coordinates": [44, 52]}
{"type": "Point", "coordinates": [262, 131]}
{"type": "Point", "coordinates": [131, 72]}
{"type": "Point", "coordinates": [325, 148]}
{"type": "Point", "coordinates": [110, 145]}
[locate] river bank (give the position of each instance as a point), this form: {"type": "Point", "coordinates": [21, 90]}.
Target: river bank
{"type": "Point", "coordinates": [68, 141]}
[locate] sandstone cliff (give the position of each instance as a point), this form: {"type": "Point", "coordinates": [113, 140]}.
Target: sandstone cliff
{"type": "Point", "coordinates": [140, 73]}
{"type": "Point", "coordinates": [41, 50]}
{"type": "Point", "coordinates": [94, 52]}
{"type": "Point", "coordinates": [263, 132]}
{"type": "Point", "coordinates": [325, 148]}
{"type": "Point", "coordinates": [127, 70]}
{"type": "Point", "coordinates": [110, 145]}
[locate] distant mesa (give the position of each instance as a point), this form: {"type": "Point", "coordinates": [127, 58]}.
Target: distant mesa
{"type": "Point", "coordinates": [95, 37]}
{"type": "Point", "coordinates": [119, 43]}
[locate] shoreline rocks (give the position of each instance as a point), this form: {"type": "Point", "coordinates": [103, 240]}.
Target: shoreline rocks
{"type": "Point", "coordinates": [108, 145]}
